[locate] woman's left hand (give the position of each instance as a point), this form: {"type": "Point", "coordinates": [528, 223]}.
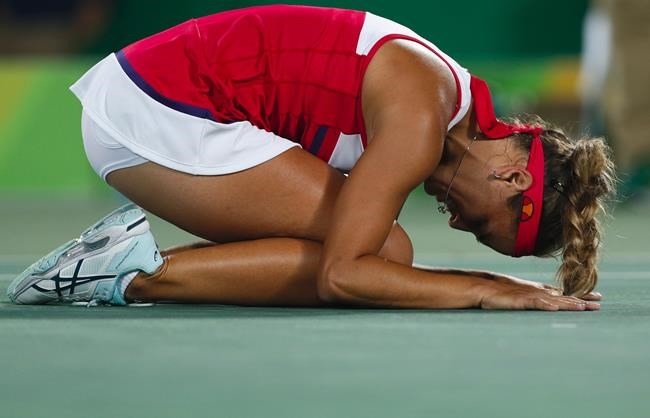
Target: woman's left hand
{"type": "Point", "coordinates": [591, 296]}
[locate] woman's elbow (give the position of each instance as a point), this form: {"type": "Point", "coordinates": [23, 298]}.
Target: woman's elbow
{"type": "Point", "coordinates": [336, 276]}
{"type": "Point", "coordinates": [330, 283]}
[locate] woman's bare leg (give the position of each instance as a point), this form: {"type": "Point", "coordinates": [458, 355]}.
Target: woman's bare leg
{"type": "Point", "coordinates": [290, 196]}
{"type": "Point", "coordinates": [265, 272]}
{"type": "Point", "coordinates": [176, 249]}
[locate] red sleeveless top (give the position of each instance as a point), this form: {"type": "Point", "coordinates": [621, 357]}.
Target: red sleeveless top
{"type": "Point", "coordinates": [295, 71]}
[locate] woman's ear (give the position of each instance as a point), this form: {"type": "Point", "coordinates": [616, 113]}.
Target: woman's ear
{"type": "Point", "coordinates": [515, 177]}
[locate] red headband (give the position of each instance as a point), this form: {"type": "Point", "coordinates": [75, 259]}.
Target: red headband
{"type": "Point", "coordinates": [531, 207]}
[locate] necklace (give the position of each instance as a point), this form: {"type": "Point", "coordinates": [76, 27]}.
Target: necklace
{"type": "Point", "coordinates": [442, 207]}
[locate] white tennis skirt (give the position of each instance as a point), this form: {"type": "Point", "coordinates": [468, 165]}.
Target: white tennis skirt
{"type": "Point", "coordinates": [122, 126]}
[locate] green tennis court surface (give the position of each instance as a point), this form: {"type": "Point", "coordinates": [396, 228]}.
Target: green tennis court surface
{"type": "Point", "coordinates": [221, 361]}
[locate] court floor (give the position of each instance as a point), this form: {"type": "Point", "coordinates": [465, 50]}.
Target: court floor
{"type": "Point", "coordinates": [223, 361]}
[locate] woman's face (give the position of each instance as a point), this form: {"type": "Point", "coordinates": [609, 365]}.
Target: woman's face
{"type": "Point", "coordinates": [479, 203]}
{"type": "Point", "coordinates": [491, 222]}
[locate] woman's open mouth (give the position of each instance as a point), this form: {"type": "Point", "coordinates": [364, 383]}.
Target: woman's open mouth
{"type": "Point", "coordinates": [455, 218]}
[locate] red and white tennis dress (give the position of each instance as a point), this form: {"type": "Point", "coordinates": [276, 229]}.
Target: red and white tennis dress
{"type": "Point", "coordinates": [226, 92]}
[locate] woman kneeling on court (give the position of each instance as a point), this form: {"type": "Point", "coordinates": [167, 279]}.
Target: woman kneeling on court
{"type": "Point", "coordinates": [237, 127]}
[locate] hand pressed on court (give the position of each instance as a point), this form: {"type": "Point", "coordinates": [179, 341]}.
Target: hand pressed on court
{"type": "Point", "coordinates": [502, 278]}
{"type": "Point", "coordinates": [516, 296]}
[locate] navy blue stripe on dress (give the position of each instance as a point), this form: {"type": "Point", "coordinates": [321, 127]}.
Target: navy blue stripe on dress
{"type": "Point", "coordinates": [199, 112]}
{"type": "Point", "coordinates": [318, 139]}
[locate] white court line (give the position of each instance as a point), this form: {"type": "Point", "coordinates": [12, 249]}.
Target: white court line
{"type": "Point", "coordinates": [626, 255]}
{"type": "Point", "coordinates": [562, 325]}
{"type": "Point", "coordinates": [630, 275]}
{"type": "Point", "coordinates": [474, 257]}
{"type": "Point", "coordinates": [488, 254]}
{"type": "Point", "coordinates": [544, 275]}
{"type": "Point", "coordinates": [27, 259]}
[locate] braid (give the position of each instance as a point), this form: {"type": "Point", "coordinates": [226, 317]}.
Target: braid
{"type": "Point", "coordinates": [591, 177]}
{"type": "Point", "coordinates": [579, 177]}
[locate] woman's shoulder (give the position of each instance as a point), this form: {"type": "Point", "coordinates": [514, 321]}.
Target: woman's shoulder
{"type": "Point", "coordinates": [409, 78]}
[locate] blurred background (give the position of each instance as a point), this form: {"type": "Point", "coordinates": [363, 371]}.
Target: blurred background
{"type": "Point", "coordinates": [580, 64]}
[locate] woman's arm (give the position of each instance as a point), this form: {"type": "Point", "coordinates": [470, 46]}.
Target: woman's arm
{"type": "Point", "coordinates": [507, 279]}
{"type": "Point", "coordinates": [408, 99]}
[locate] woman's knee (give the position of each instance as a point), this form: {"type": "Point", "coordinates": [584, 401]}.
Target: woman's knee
{"type": "Point", "coordinates": [398, 246]}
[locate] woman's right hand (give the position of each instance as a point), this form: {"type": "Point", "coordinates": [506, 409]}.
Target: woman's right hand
{"type": "Point", "coordinates": [511, 296]}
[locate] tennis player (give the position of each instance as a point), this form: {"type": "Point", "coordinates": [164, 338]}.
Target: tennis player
{"type": "Point", "coordinates": [238, 127]}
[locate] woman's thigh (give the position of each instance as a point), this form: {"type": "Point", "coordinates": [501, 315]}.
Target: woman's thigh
{"type": "Point", "coordinates": [291, 195]}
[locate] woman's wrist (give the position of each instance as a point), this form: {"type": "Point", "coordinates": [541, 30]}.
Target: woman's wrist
{"type": "Point", "coordinates": [485, 289]}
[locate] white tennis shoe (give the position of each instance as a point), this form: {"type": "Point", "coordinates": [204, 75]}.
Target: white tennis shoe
{"type": "Point", "coordinates": [89, 268]}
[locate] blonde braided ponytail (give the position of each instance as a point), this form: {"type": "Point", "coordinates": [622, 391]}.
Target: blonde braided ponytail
{"type": "Point", "coordinates": [591, 178]}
